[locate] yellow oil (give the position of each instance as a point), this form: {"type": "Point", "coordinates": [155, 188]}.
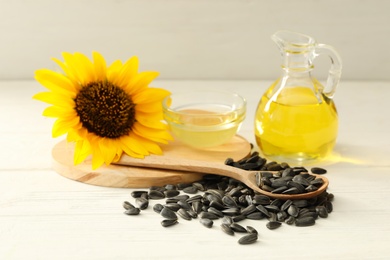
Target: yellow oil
{"type": "Point", "coordinates": [295, 125]}
{"type": "Point", "coordinates": [201, 128]}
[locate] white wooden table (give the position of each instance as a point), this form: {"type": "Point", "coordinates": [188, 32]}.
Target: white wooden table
{"type": "Point", "coordinates": [46, 216]}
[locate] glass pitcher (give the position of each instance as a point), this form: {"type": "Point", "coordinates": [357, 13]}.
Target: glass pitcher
{"type": "Point", "coordinates": [296, 118]}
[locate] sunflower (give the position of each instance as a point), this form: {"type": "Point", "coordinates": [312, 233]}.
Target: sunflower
{"type": "Point", "coordinates": [105, 110]}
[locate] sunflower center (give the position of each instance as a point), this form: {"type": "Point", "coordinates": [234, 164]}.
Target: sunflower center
{"type": "Point", "coordinates": [105, 109]}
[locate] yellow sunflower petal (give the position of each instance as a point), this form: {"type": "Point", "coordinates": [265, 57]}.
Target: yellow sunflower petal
{"type": "Point", "coordinates": [73, 136]}
{"type": "Point", "coordinates": [55, 82]}
{"type": "Point", "coordinates": [68, 72]}
{"type": "Point", "coordinates": [140, 81]}
{"type": "Point", "coordinates": [55, 99]}
{"type": "Point", "coordinates": [86, 67]}
{"type": "Point", "coordinates": [113, 71]}
{"type": "Point", "coordinates": [62, 126]}
{"type": "Point", "coordinates": [82, 150]}
{"type": "Point", "coordinates": [154, 107]}
{"type": "Point", "coordinates": [150, 146]}
{"type": "Point", "coordinates": [55, 111]}
{"type": "Point", "coordinates": [152, 116]}
{"type": "Point", "coordinates": [129, 71]}
{"type": "Point", "coordinates": [130, 152]}
{"type": "Point", "coordinates": [108, 148]}
{"type": "Point", "coordinates": [72, 67]}
{"type": "Point", "coordinates": [150, 120]}
{"type": "Point", "coordinates": [97, 156]}
{"type": "Point", "coordinates": [100, 66]}
{"type": "Point", "coordinates": [150, 95]}
{"type": "Point", "coordinates": [132, 143]}
{"type": "Point", "coordinates": [155, 135]}
{"type": "Point", "coordinates": [97, 159]}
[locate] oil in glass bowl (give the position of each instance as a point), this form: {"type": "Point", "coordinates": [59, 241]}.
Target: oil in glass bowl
{"type": "Point", "coordinates": [204, 119]}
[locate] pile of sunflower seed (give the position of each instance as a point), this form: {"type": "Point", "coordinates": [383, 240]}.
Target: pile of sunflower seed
{"type": "Point", "coordinates": [218, 197]}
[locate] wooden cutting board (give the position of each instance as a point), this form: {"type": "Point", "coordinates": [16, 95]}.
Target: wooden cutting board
{"type": "Point", "coordinates": [135, 177]}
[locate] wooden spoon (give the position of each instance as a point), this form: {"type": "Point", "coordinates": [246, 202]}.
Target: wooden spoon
{"type": "Point", "coordinates": [191, 165]}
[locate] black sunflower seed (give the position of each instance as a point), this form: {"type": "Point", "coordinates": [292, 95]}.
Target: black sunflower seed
{"type": "Point", "coordinates": [132, 211]}
{"type": "Point", "coordinates": [238, 228]}
{"type": "Point", "coordinates": [206, 222]}
{"type": "Point", "coordinates": [168, 222]}
{"type": "Point", "coordinates": [273, 224]}
{"type": "Point", "coordinates": [227, 229]}
{"type": "Point", "coordinates": [168, 213]}
{"type": "Point", "coordinates": [248, 239]}
{"type": "Point", "coordinates": [127, 205]}
{"type": "Point", "coordinates": [318, 170]}
{"type": "Point", "coordinates": [305, 221]}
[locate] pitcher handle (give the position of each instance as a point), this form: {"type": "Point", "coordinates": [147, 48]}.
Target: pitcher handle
{"type": "Point", "coordinates": [335, 68]}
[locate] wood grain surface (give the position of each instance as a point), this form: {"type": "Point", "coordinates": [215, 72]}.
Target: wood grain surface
{"type": "Point", "coordinates": [137, 177]}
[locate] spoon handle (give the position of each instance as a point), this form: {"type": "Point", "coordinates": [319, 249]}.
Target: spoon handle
{"type": "Point", "coordinates": [185, 165]}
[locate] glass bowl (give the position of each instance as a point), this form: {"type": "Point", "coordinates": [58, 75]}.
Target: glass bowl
{"type": "Point", "coordinates": [204, 119]}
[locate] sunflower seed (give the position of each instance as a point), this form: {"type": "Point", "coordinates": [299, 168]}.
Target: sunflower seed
{"type": "Point", "coordinates": [127, 205]}
{"type": "Point", "coordinates": [215, 211]}
{"type": "Point", "coordinates": [168, 213]}
{"type": "Point", "coordinates": [197, 206]}
{"type": "Point", "coordinates": [311, 187]}
{"type": "Point", "coordinates": [171, 193]}
{"type": "Point", "coordinates": [142, 203]}
{"type": "Point", "coordinates": [261, 200]}
{"type": "Point", "coordinates": [229, 201]}
{"type": "Point", "coordinates": [156, 195]}
{"type": "Point", "coordinates": [238, 228]}
{"type": "Point", "coordinates": [208, 215]}
{"type": "Point", "coordinates": [317, 170]}
{"type": "Point", "coordinates": [285, 205]}
{"type": "Point", "coordinates": [238, 218]}
{"type": "Point", "coordinates": [273, 224]}
{"type": "Point", "coordinates": [263, 210]}
{"type": "Point", "coordinates": [181, 197]}
{"type": "Point", "coordinates": [293, 210]}
{"type": "Point", "coordinates": [329, 206]}
{"type": "Point", "coordinates": [304, 222]}
{"type": "Point", "coordinates": [184, 214]}
{"type": "Point", "coordinates": [251, 230]}
{"type": "Point", "coordinates": [184, 204]}
{"type": "Point", "coordinates": [199, 186]}
{"type": "Point", "coordinates": [168, 222]}
{"type": "Point", "coordinates": [192, 213]}
{"type": "Point", "coordinates": [255, 216]}
{"type": "Point", "coordinates": [322, 212]}
{"type": "Point", "coordinates": [292, 190]}
{"type": "Point", "coordinates": [132, 211]}
{"type": "Point", "coordinates": [281, 216]}
{"type": "Point", "coordinates": [301, 180]}
{"type": "Point", "coordinates": [206, 222]}
{"type": "Point", "coordinates": [158, 207]}
{"type": "Point", "coordinates": [231, 211]}
{"type": "Point", "coordinates": [248, 210]}
{"type": "Point", "coordinates": [248, 239]}
{"type": "Point", "coordinates": [290, 220]}
{"type": "Point", "coordinates": [227, 220]}
{"type": "Point", "coordinates": [138, 193]}
{"type": "Point", "coordinates": [227, 229]}
{"type": "Point", "coordinates": [279, 189]}
{"type": "Point", "coordinates": [173, 206]}
{"type": "Point", "coordinates": [190, 189]}
{"type": "Point", "coordinates": [300, 203]}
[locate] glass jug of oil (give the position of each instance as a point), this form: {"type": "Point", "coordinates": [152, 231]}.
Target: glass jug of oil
{"type": "Point", "coordinates": [296, 118]}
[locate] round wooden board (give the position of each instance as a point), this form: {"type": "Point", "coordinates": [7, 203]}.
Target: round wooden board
{"type": "Point", "coordinates": [136, 177]}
